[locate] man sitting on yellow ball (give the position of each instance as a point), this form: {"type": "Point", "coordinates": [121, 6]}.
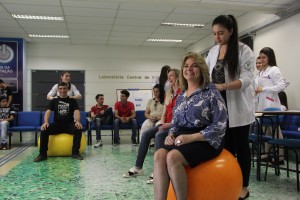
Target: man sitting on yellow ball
{"type": "Point", "coordinates": [65, 108]}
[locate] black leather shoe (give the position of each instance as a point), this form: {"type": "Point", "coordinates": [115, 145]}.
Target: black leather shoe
{"type": "Point", "coordinates": [245, 197]}
{"type": "Point", "coordinates": [40, 158]}
{"type": "Point", "coordinates": [77, 157]}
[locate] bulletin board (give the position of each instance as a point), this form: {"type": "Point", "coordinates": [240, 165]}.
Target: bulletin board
{"type": "Point", "coordinates": [139, 97]}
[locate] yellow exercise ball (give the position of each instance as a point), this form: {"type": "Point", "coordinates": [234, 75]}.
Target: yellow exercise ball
{"type": "Point", "coordinates": [61, 144]}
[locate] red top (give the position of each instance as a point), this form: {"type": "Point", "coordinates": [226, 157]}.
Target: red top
{"type": "Point", "coordinates": [170, 106]}
{"type": "Point", "coordinates": [124, 111]}
{"type": "Point", "coordinates": [96, 109]}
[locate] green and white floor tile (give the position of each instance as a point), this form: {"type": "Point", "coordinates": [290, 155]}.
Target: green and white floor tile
{"type": "Point", "coordinates": [99, 175]}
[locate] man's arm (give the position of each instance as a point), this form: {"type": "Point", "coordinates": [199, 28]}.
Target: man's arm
{"type": "Point", "coordinates": [77, 119]}
{"type": "Point", "coordinates": [9, 99]}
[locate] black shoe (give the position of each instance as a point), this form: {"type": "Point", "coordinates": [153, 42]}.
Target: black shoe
{"type": "Point", "coordinates": [3, 146]}
{"type": "Point", "coordinates": [116, 142]}
{"type": "Point", "coordinates": [40, 158]}
{"type": "Point", "coordinates": [281, 162]}
{"type": "Point", "coordinates": [77, 157]}
{"type": "Point", "coordinates": [245, 197]}
{"type": "Point", "coordinates": [133, 142]}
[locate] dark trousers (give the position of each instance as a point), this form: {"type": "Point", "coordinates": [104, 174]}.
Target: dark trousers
{"type": "Point", "coordinates": [55, 129]}
{"type": "Point", "coordinates": [236, 142]}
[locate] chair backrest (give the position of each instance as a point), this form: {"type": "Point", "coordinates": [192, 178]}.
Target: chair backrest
{"type": "Point", "coordinates": [268, 121]}
{"type": "Point", "coordinates": [83, 119]}
{"type": "Point", "coordinates": [140, 117]}
{"type": "Point", "coordinates": [29, 118]}
{"type": "Point", "coordinates": [291, 122]}
{"type": "Point", "coordinates": [51, 118]}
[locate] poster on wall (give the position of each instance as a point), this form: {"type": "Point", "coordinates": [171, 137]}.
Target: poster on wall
{"type": "Point", "coordinates": [11, 68]}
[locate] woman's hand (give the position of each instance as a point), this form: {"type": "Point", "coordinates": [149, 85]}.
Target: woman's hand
{"type": "Point", "coordinates": [170, 140]}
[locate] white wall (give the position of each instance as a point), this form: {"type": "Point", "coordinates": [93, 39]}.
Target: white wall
{"type": "Point", "coordinates": [283, 38]}
{"type": "Point", "coordinates": [96, 61]}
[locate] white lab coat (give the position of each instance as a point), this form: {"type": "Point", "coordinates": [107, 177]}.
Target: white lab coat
{"type": "Point", "coordinates": [240, 103]}
{"type": "Point", "coordinates": [72, 92]}
{"type": "Point", "coordinates": [271, 82]}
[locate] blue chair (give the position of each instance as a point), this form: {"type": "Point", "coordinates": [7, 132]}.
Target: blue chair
{"type": "Point", "coordinates": [289, 145]}
{"type": "Point", "coordinates": [26, 121]}
{"type": "Point", "coordinates": [51, 119]}
{"type": "Point", "coordinates": [83, 120]}
{"type": "Point", "coordinates": [290, 125]}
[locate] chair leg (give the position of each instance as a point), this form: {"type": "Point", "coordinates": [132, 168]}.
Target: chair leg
{"type": "Point", "coordinates": [35, 138]}
{"type": "Point", "coordinates": [112, 136]}
{"type": "Point", "coordinates": [9, 139]}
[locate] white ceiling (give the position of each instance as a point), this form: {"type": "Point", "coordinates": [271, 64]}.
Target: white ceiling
{"type": "Point", "coordinates": [125, 22]}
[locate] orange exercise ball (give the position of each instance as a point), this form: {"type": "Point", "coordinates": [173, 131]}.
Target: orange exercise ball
{"type": "Point", "coordinates": [219, 178]}
{"type": "Point", "coordinates": [61, 144]}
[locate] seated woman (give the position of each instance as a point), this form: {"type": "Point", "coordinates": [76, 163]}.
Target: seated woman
{"type": "Point", "coordinates": [198, 128]}
{"type": "Point", "coordinates": [154, 108]}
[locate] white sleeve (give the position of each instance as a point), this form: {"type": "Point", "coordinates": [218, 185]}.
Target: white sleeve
{"type": "Point", "coordinates": [279, 83]}
{"type": "Point", "coordinates": [75, 91]}
{"type": "Point", "coordinates": [53, 91]}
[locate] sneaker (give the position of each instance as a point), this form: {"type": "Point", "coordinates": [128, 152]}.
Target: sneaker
{"type": "Point", "coordinates": [133, 172]}
{"type": "Point", "coordinates": [150, 180]}
{"type": "Point", "coordinates": [77, 157]}
{"type": "Point", "coordinates": [40, 158]}
{"type": "Point", "coordinates": [3, 146]}
{"type": "Point", "coordinates": [89, 119]}
{"type": "Point", "coordinates": [98, 144]}
{"type": "Point", "coordinates": [133, 141]}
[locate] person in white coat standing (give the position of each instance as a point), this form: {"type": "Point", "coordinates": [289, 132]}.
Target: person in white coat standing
{"type": "Point", "coordinates": [231, 65]}
{"type": "Point", "coordinates": [269, 81]}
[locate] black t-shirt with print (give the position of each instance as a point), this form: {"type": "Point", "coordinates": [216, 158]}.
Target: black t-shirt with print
{"type": "Point", "coordinates": [6, 112]}
{"type": "Point", "coordinates": [6, 92]}
{"type": "Point", "coordinates": [63, 109]}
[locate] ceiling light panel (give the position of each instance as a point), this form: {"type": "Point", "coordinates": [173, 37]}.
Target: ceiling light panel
{"type": "Point", "coordinates": [48, 36]}
{"type": "Point", "coordinates": [163, 40]}
{"type": "Point", "coordinates": [37, 17]}
{"type": "Point", "coordinates": [182, 25]}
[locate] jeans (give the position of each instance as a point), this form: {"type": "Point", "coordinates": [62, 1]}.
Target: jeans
{"type": "Point", "coordinates": [160, 137]}
{"type": "Point", "coordinates": [143, 148]}
{"type": "Point", "coordinates": [3, 126]}
{"type": "Point", "coordinates": [117, 124]}
{"type": "Point", "coordinates": [105, 119]}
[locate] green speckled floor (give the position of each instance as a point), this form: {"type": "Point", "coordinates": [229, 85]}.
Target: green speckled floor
{"type": "Point", "coordinates": [99, 176]}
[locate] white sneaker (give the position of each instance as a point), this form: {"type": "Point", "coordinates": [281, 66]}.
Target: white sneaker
{"type": "Point", "coordinates": [133, 172]}
{"type": "Point", "coordinates": [98, 144]}
{"type": "Point", "coordinates": [150, 180]}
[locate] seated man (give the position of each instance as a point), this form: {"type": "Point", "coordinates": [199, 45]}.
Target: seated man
{"type": "Point", "coordinates": [6, 92]}
{"type": "Point", "coordinates": [6, 116]}
{"type": "Point", "coordinates": [65, 109]}
{"type": "Point", "coordinates": [124, 114]}
{"type": "Point", "coordinates": [102, 114]}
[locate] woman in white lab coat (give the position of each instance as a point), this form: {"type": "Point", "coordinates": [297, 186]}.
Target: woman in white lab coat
{"type": "Point", "coordinates": [231, 65]}
{"type": "Point", "coordinates": [269, 81]}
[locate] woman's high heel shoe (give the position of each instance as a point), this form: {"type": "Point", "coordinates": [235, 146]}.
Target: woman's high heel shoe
{"type": "Point", "coordinates": [245, 197]}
